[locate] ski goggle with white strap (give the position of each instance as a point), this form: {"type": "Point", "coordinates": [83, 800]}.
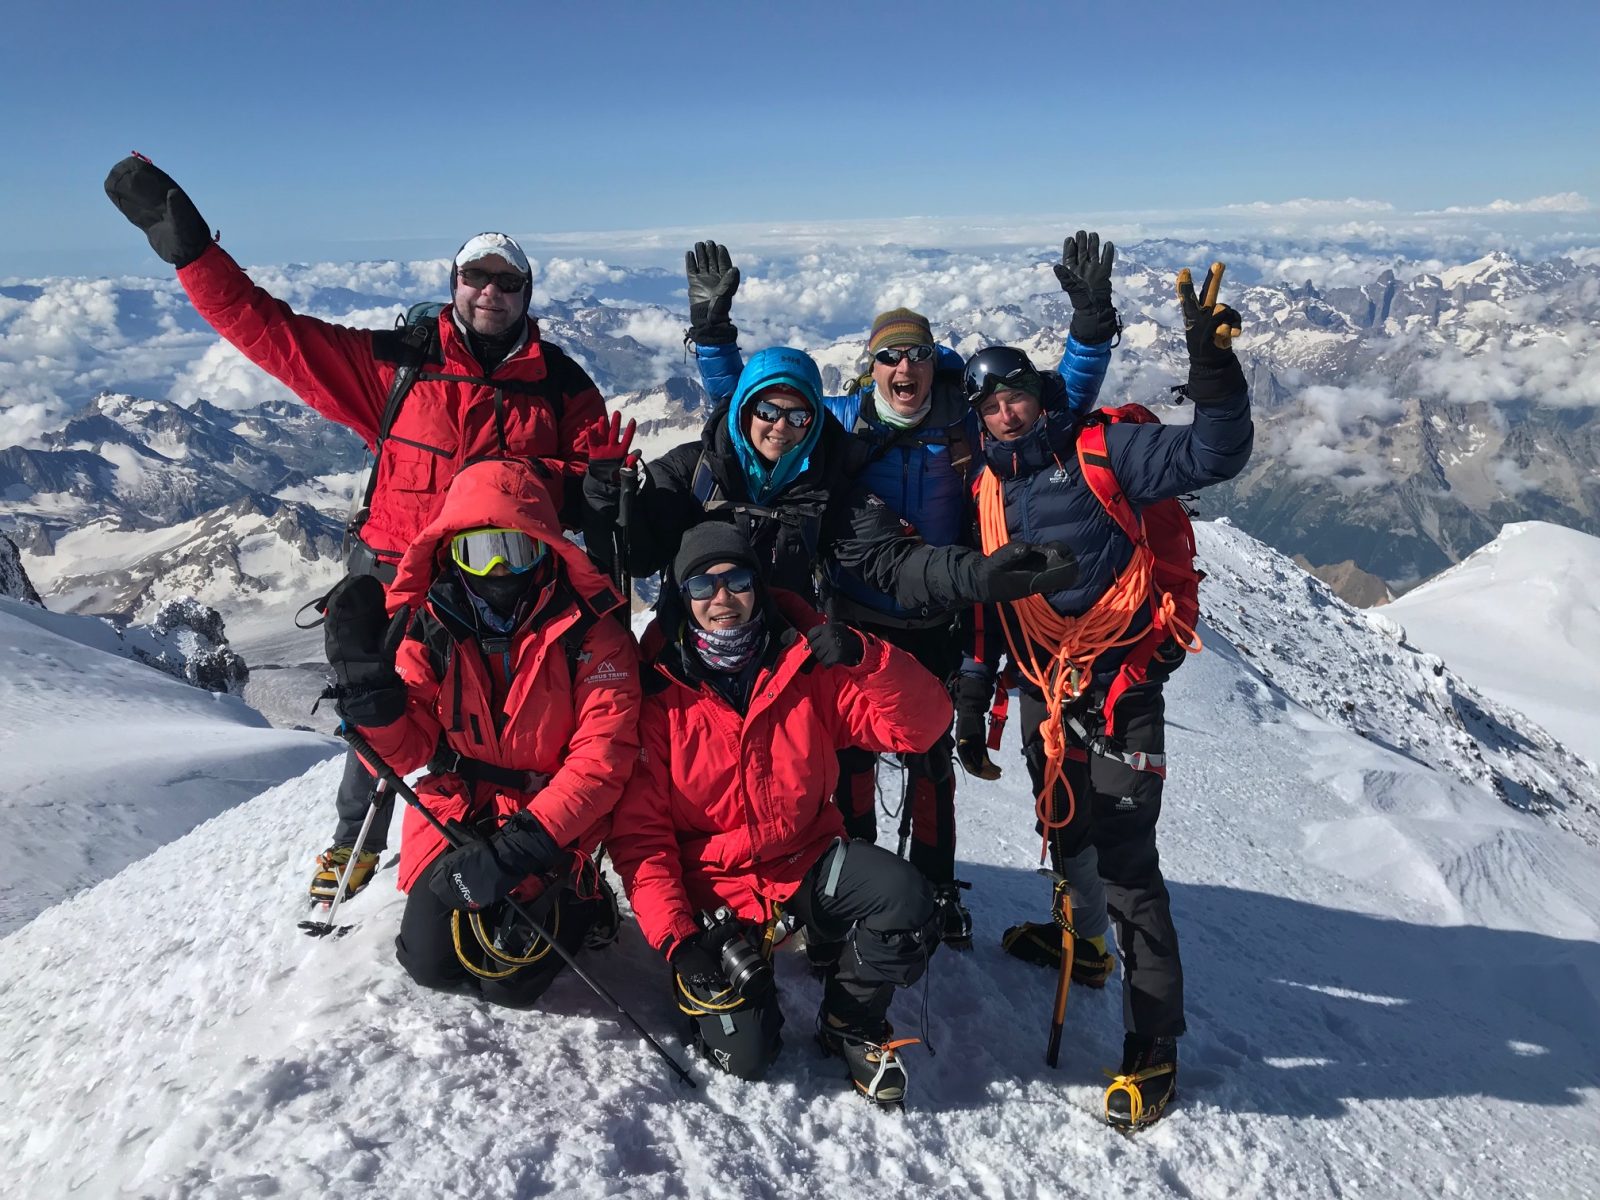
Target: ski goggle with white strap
{"type": "Point", "coordinates": [478, 551]}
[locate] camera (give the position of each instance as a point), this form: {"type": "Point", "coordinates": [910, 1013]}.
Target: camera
{"type": "Point", "coordinates": [749, 974]}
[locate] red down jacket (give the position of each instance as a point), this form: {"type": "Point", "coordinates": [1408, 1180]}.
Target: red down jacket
{"type": "Point", "coordinates": [731, 809]}
{"type": "Point", "coordinates": [578, 727]}
{"type": "Point", "coordinates": [345, 375]}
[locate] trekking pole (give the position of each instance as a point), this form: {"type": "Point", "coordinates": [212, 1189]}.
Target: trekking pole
{"type": "Point", "coordinates": [457, 835]}
{"type": "Point", "coordinates": [1061, 910]}
{"type": "Point", "coordinates": [324, 928]}
{"type": "Point", "coordinates": [628, 481]}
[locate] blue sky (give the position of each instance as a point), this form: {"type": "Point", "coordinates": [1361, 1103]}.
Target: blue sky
{"type": "Point", "coordinates": [341, 130]}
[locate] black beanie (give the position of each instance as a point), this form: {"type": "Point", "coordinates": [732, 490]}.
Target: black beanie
{"type": "Point", "coordinates": [709, 543]}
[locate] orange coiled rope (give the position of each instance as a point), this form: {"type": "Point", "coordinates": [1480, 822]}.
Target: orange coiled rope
{"type": "Point", "coordinates": [1071, 644]}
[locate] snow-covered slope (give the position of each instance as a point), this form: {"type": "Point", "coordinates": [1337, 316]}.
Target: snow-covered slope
{"type": "Point", "coordinates": [1393, 987]}
{"type": "Point", "coordinates": [105, 759]}
{"type": "Point", "coordinates": [1520, 619]}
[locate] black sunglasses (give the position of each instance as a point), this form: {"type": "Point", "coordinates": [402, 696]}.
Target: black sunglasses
{"type": "Point", "coordinates": [892, 357]}
{"type": "Point", "coordinates": [506, 281]}
{"type": "Point", "coordinates": [737, 580]}
{"type": "Point", "coordinates": [772, 414]}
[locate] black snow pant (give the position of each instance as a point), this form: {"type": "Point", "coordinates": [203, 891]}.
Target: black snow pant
{"type": "Point", "coordinates": [355, 796]}
{"type": "Point", "coordinates": [426, 946]}
{"type": "Point", "coordinates": [1117, 807]}
{"type": "Point", "coordinates": [881, 907]}
{"type": "Point", "coordinates": [928, 805]}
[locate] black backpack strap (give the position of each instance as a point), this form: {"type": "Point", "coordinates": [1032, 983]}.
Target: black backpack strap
{"type": "Point", "coordinates": [415, 342]}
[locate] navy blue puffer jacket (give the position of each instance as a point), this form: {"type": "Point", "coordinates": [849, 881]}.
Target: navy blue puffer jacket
{"type": "Point", "coordinates": [1048, 500]}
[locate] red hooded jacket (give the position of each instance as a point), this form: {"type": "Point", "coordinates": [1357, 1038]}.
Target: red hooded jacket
{"type": "Point", "coordinates": [735, 809]}
{"type": "Point", "coordinates": [578, 727]}
{"type": "Point", "coordinates": [345, 375]}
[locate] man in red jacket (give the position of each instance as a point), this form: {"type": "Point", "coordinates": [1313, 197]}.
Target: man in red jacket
{"type": "Point", "coordinates": [730, 822]}
{"type": "Point", "coordinates": [488, 386]}
{"type": "Point", "coordinates": [522, 698]}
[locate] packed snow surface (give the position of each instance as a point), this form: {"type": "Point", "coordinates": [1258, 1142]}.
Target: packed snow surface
{"type": "Point", "coordinates": [1393, 990]}
{"type": "Point", "coordinates": [1520, 619]}
{"type": "Point", "coordinates": [105, 758]}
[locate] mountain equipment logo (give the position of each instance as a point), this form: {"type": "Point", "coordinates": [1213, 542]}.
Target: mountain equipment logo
{"type": "Point", "coordinates": [1059, 475]}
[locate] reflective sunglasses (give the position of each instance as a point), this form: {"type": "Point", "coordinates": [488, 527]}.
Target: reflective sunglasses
{"type": "Point", "coordinates": [738, 580]}
{"type": "Point", "coordinates": [769, 412]}
{"type": "Point", "coordinates": [477, 551]}
{"type": "Point", "coordinates": [890, 357]}
{"type": "Point", "coordinates": [506, 281]}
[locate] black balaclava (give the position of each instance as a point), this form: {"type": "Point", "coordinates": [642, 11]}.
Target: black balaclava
{"type": "Point", "coordinates": [503, 593]}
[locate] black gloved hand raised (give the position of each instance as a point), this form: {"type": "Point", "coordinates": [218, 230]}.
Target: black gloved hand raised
{"type": "Point", "coordinates": [1084, 274]}
{"type": "Point", "coordinates": [486, 871]}
{"type": "Point", "coordinates": [972, 695]}
{"type": "Point", "coordinates": [361, 640]}
{"type": "Point", "coordinates": [1209, 328]}
{"type": "Point", "coordinates": [1020, 569]}
{"type": "Point", "coordinates": [836, 645]}
{"type": "Point", "coordinates": [148, 197]}
{"type": "Point", "coordinates": [713, 279]}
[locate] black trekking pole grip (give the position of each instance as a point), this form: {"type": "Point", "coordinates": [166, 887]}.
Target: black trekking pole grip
{"type": "Point", "coordinates": [456, 835]}
{"type": "Point", "coordinates": [627, 489]}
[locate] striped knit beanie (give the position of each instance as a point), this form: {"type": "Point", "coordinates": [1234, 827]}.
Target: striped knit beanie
{"type": "Point", "coordinates": [899, 327]}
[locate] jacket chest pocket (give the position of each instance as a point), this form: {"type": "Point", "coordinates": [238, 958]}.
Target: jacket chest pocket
{"type": "Point", "coordinates": [413, 469]}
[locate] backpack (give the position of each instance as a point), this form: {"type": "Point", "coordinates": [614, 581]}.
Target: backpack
{"type": "Point", "coordinates": [805, 520]}
{"type": "Point", "coordinates": [1165, 527]}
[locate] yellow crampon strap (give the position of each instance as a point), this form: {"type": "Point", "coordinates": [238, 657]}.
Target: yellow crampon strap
{"type": "Point", "coordinates": [486, 944]}
{"type": "Point", "coordinates": [1130, 1085]}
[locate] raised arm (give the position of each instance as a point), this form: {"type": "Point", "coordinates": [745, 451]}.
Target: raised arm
{"type": "Point", "coordinates": [328, 366]}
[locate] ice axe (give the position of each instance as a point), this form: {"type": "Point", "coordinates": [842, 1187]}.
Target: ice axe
{"type": "Point", "coordinates": [457, 834]}
{"type": "Point", "coordinates": [1061, 910]}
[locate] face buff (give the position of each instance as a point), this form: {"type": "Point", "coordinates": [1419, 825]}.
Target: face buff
{"type": "Point", "coordinates": [728, 650]}
{"type": "Point", "coordinates": [894, 420]}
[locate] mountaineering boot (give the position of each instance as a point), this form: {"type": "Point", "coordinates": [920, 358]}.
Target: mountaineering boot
{"type": "Point", "coordinates": [1039, 942]}
{"type": "Point", "coordinates": [954, 921]}
{"type": "Point", "coordinates": [1139, 1094]}
{"type": "Point", "coordinates": [330, 865]}
{"type": "Point", "coordinates": [875, 1065]}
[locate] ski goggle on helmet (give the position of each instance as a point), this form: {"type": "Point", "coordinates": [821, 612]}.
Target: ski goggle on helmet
{"type": "Point", "coordinates": [996, 368]}
{"type": "Point", "coordinates": [479, 551]}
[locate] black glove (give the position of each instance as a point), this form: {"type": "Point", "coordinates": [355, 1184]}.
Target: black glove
{"type": "Point", "coordinates": [486, 871]}
{"type": "Point", "coordinates": [1209, 328]}
{"type": "Point", "coordinates": [1084, 273]}
{"type": "Point", "coordinates": [836, 645]}
{"type": "Point", "coordinates": [1021, 569]}
{"type": "Point", "coordinates": [699, 963]}
{"type": "Point", "coordinates": [713, 279]}
{"type": "Point", "coordinates": [972, 695]}
{"type": "Point", "coordinates": [361, 640]}
{"type": "Point", "coordinates": [148, 197]}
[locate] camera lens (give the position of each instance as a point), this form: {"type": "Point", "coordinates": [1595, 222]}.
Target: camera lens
{"type": "Point", "coordinates": [747, 971]}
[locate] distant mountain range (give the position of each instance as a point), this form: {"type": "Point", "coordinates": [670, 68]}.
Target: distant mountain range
{"type": "Point", "coordinates": [1401, 421]}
